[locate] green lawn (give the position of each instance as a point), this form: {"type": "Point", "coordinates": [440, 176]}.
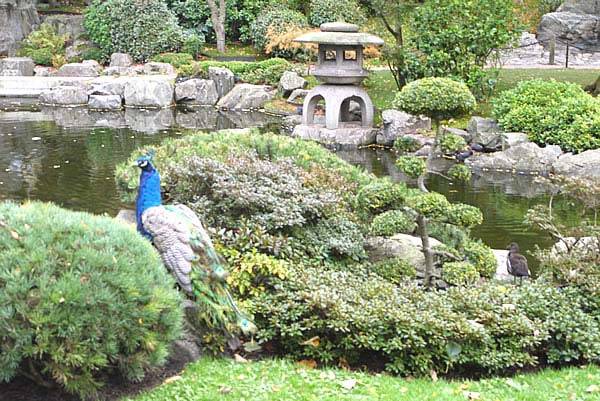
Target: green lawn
{"type": "Point", "coordinates": [221, 379]}
{"type": "Point", "coordinates": [382, 87]}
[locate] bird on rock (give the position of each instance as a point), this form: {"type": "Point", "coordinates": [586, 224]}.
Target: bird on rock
{"type": "Point", "coordinates": [516, 263]}
{"type": "Point", "coordinates": [188, 253]}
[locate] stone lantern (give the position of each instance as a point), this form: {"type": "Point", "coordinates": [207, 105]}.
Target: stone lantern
{"type": "Point", "coordinates": [340, 72]}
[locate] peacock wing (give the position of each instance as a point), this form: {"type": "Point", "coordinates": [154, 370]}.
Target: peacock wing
{"type": "Point", "coordinates": [172, 238]}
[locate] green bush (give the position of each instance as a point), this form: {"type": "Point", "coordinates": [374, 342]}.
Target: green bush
{"type": "Point", "coordinates": [392, 222]}
{"type": "Point", "coordinates": [79, 295]}
{"type": "Point", "coordinates": [460, 172]}
{"type": "Point", "coordinates": [181, 61]}
{"type": "Point", "coordinates": [141, 28]}
{"type": "Point", "coordinates": [277, 18]}
{"type": "Point", "coordinates": [382, 195]}
{"type": "Point", "coordinates": [459, 273]}
{"type": "Point", "coordinates": [407, 144]}
{"type": "Point", "coordinates": [412, 166]}
{"type": "Point", "coordinates": [394, 270]}
{"type": "Point", "coordinates": [452, 143]}
{"type": "Point", "coordinates": [42, 44]}
{"type": "Point", "coordinates": [482, 257]}
{"type": "Point", "coordinates": [322, 11]}
{"type": "Point", "coordinates": [551, 112]}
{"type": "Point", "coordinates": [438, 98]}
{"type": "Point", "coordinates": [260, 72]}
{"type": "Point", "coordinates": [193, 44]}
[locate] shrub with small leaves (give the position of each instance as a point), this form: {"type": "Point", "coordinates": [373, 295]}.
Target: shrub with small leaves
{"type": "Point", "coordinates": [322, 11]}
{"type": "Point", "coordinates": [460, 172]}
{"type": "Point", "coordinates": [459, 273]}
{"type": "Point", "coordinates": [452, 143]}
{"type": "Point", "coordinates": [80, 295]}
{"type": "Point", "coordinates": [412, 166]}
{"type": "Point", "coordinates": [392, 222]}
{"type": "Point", "coordinates": [438, 98]}
{"type": "Point", "coordinates": [275, 18]}
{"type": "Point", "coordinates": [43, 44]}
{"type": "Point", "coordinates": [431, 205]}
{"type": "Point", "coordinates": [482, 257]}
{"type": "Point", "coordinates": [394, 270]}
{"type": "Point", "coordinates": [463, 215]}
{"type": "Point", "coordinates": [193, 42]}
{"type": "Point", "coordinates": [382, 195]}
{"type": "Point", "coordinates": [407, 144]}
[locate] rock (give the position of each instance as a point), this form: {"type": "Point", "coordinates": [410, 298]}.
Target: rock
{"type": "Point", "coordinates": [200, 118]}
{"type": "Point", "coordinates": [246, 96]}
{"type": "Point", "coordinates": [41, 71]}
{"type": "Point", "coordinates": [514, 138]}
{"type": "Point", "coordinates": [585, 244]}
{"type": "Point", "coordinates": [483, 130]}
{"type": "Point", "coordinates": [585, 165]}
{"type": "Point", "coordinates": [424, 151]}
{"type": "Point", "coordinates": [289, 122]}
{"type": "Point", "coordinates": [123, 71]}
{"type": "Point", "coordinates": [501, 267]}
{"type": "Point", "coordinates": [17, 19]}
{"type": "Point", "coordinates": [525, 157]}
{"type": "Point", "coordinates": [297, 96]}
{"type": "Point", "coordinates": [76, 50]}
{"type": "Point", "coordinates": [202, 92]}
{"type": "Point", "coordinates": [66, 24]}
{"type": "Point", "coordinates": [594, 88]}
{"type": "Point", "coordinates": [460, 132]}
{"type": "Point", "coordinates": [17, 67]}
{"type": "Point", "coordinates": [224, 79]}
{"type": "Point", "coordinates": [398, 123]}
{"type": "Point", "coordinates": [84, 69]}
{"type": "Point", "coordinates": [122, 60]}
{"type": "Point", "coordinates": [348, 136]}
{"type": "Point", "coordinates": [581, 7]}
{"type": "Point", "coordinates": [64, 96]}
{"type": "Point", "coordinates": [289, 82]}
{"type": "Point", "coordinates": [148, 92]}
{"type": "Point", "coordinates": [103, 86]}
{"type": "Point", "coordinates": [127, 216]}
{"type": "Point", "coordinates": [580, 30]}
{"type": "Point", "coordinates": [185, 350]}
{"type": "Point", "coordinates": [402, 246]}
{"type": "Point", "coordinates": [105, 102]}
{"type": "Point", "coordinates": [155, 68]}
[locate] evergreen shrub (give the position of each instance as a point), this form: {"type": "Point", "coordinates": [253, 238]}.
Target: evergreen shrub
{"type": "Point", "coordinates": [392, 222]}
{"type": "Point", "coordinates": [322, 11]}
{"type": "Point", "coordinates": [80, 295]}
{"type": "Point", "coordinates": [551, 113]}
{"type": "Point", "coordinates": [43, 44]}
{"type": "Point", "coordinates": [275, 18]}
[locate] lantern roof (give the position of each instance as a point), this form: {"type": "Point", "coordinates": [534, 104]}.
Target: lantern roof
{"type": "Point", "coordinates": [340, 33]}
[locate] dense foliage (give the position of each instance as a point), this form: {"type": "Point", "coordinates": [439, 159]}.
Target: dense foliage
{"type": "Point", "coordinates": [80, 295]}
{"type": "Point", "coordinates": [551, 112]}
{"type": "Point", "coordinates": [268, 71]}
{"type": "Point", "coordinates": [274, 19]}
{"type": "Point", "coordinates": [322, 11]}
{"type": "Point", "coordinates": [44, 46]}
{"type": "Point", "coordinates": [141, 28]}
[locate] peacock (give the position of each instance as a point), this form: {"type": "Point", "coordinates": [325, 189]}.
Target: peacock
{"type": "Point", "coordinates": [516, 263]}
{"type": "Point", "coordinates": [188, 253]}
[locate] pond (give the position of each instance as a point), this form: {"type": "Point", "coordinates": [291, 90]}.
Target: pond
{"type": "Point", "coordinates": [70, 159]}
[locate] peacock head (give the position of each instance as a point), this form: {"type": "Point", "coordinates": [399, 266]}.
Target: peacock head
{"type": "Point", "coordinates": [513, 247]}
{"type": "Point", "coordinates": [145, 162]}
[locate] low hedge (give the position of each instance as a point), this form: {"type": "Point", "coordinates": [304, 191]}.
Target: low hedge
{"type": "Point", "coordinates": [551, 113]}
{"type": "Point", "coordinates": [80, 295]}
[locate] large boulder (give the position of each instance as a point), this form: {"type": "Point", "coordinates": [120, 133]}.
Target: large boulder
{"type": "Point", "coordinates": [349, 136]}
{"type": "Point", "coordinates": [17, 19]}
{"type": "Point", "coordinates": [156, 68]}
{"type": "Point", "coordinates": [73, 95]}
{"type": "Point", "coordinates": [246, 97]}
{"type": "Point", "coordinates": [585, 165]}
{"type": "Point", "coordinates": [66, 24]}
{"type": "Point", "coordinates": [484, 131]}
{"type": "Point", "coordinates": [398, 123]}
{"type": "Point", "coordinates": [146, 92]}
{"type": "Point", "coordinates": [525, 157]}
{"type": "Point", "coordinates": [105, 102]}
{"type": "Point", "coordinates": [17, 67]}
{"type": "Point", "coordinates": [112, 86]}
{"type": "Point", "coordinates": [289, 82]}
{"type": "Point", "coordinates": [85, 69]}
{"type": "Point", "coordinates": [457, 131]}
{"type": "Point", "coordinates": [122, 60]}
{"type": "Point", "coordinates": [224, 79]}
{"type": "Point", "coordinates": [201, 92]}
{"type": "Point", "coordinates": [576, 22]}
{"type": "Point", "coordinates": [402, 246]}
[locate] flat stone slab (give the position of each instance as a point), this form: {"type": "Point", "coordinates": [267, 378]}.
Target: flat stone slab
{"type": "Point", "coordinates": [17, 67]}
{"type": "Point", "coordinates": [347, 136]}
{"type": "Point", "coordinates": [85, 69]}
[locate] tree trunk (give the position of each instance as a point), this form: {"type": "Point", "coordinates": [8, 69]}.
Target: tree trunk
{"type": "Point", "coordinates": [424, 234]}
{"type": "Point", "coordinates": [217, 16]}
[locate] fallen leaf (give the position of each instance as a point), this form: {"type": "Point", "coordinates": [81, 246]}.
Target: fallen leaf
{"type": "Point", "coordinates": [14, 234]}
{"type": "Point", "coordinates": [225, 390]}
{"type": "Point", "coordinates": [308, 363]}
{"type": "Point", "coordinates": [433, 375]}
{"type": "Point", "coordinates": [239, 359]}
{"type": "Point", "coordinates": [594, 388]}
{"type": "Point", "coordinates": [171, 379]}
{"type": "Point", "coordinates": [348, 384]}
{"type": "Point", "coordinates": [472, 395]}
{"type": "Point", "coordinates": [313, 342]}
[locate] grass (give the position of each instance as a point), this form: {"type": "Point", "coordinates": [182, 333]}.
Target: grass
{"type": "Point", "coordinates": [270, 380]}
{"type": "Point", "coordinates": [382, 87]}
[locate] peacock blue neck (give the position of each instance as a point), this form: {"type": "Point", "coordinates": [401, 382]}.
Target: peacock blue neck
{"type": "Point", "coordinates": [148, 196]}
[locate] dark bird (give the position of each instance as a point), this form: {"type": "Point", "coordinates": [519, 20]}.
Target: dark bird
{"type": "Point", "coordinates": [463, 155]}
{"type": "Point", "coordinates": [476, 147]}
{"type": "Point", "coordinates": [188, 253]}
{"type": "Point", "coordinates": [516, 263]}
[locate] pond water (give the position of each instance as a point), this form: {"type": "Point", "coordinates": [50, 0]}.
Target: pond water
{"type": "Point", "coordinates": [60, 156]}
